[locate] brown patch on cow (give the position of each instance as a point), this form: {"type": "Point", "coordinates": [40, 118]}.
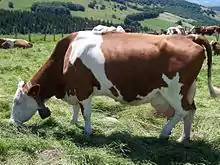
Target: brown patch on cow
{"type": "Point", "coordinates": [80, 78]}
{"type": "Point", "coordinates": [19, 43]}
{"type": "Point", "coordinates": [114, 91]}
{"type": "Point", "coordinates": [145, 60]}
{"type": "Point", "coordinates": [216, 47]}
{"type": "Point", "coordinates": [50, 75]}
{"type": "Point", "coordinates": [207, 30]}
{"type": "Point", "coordinates": [5, 45]}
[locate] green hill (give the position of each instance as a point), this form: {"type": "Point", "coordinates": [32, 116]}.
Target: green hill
{"type": "Point", "coordinates": [173, 10]}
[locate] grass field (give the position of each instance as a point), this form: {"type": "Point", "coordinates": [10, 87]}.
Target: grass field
{"type": "Point", "coordinates": [95, 13]}
{"type": "Point", "coordinates": [131, 138]}
{"type": "Point", "coordinates": [165, 19]}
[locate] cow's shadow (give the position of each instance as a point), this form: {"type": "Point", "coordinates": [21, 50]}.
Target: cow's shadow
{"type": "Point", "coordinates": [141, 149]}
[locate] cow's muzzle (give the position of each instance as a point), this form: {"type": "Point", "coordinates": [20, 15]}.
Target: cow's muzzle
{"type": "Point", "coordinates": [44, 112]}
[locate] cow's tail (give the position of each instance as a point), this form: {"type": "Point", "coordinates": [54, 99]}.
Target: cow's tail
{"type": "Point", "coordinates": [191, 30]}
{"type": "Point", "coordinates": [201, 40]}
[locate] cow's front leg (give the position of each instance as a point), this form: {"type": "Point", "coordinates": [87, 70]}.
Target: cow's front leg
{"type": "Point", "coordinates": [76, 109]}
{"type": "Point", "coordinates": [166, 131]}
{"type": "Point", "coordinates": [86, 109]}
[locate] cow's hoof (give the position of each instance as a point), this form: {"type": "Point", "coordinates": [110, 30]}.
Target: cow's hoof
{"type": "Point", "coordinates": [72, 122]}
{"type": "Point", "coordinates": [44, 112]}
{"type": "Point", "coordinates": [184, 141]}
{"type": "Point", "coordinates": [164, 138]}
{"type": "Point", "coordinates": [88, 132]}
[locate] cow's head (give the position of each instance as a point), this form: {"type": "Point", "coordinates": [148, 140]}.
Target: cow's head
{"type": "Point", "coordinates": [25, 103]}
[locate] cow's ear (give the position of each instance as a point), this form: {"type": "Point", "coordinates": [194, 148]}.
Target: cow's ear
{"type": "Point", "coordinates": [34, 90]}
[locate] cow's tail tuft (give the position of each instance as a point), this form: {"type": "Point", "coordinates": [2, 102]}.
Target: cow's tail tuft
{"type": "Point", "coordinates": [201, 40]}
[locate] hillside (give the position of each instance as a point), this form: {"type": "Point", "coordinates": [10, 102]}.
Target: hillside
{"type": "Point", "coordinates": [114, 12]}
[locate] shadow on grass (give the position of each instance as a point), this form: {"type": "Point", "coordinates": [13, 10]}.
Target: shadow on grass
{"type": "Point", "coordinates": [141, 149]}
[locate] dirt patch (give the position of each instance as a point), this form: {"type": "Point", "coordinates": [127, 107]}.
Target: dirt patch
{"type": "Point", "coordinates": [50, 156]}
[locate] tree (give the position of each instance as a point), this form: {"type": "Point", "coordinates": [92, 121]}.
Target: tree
{"type": "Point", "coordinates": [10, 5]}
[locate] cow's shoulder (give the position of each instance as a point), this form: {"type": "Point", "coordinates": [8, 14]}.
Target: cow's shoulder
{"type": "Point", "coordinates": [62, 46]}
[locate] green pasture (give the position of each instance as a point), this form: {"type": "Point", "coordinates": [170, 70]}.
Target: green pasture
{"type": "Point", "coordinates": [122, 134]}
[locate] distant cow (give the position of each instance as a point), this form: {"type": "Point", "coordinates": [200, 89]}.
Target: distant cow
{"type": "Point", "coordinates": [176, 30]}
{"type": "Point", "coordinates": [103, 29]}
{"type": "Point", "coordinates": [207, 30]}
{"type": "Point", "coordinates": [215, 47]}
{"type": "Point", "coordinates": [154, 32]}
{"type": "Point", "coordinates": [131, 68]}
{"type": "Point", "coordinates": [7, 43]}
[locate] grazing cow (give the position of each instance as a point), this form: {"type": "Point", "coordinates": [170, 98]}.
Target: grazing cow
{"type": "Point", "coordinates": [206, 30]}
{"type": "Point", "coordinates": [7, 43]}
{"type": "Point", "coordinates": [176, 30]}
{"type": "Point", "coordinates": [131, 68]}
{"type": "Point", "coordinates": [215, 47]}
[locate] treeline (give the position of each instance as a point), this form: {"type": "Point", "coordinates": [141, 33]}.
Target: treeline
{"type": "Point", "coordinates": [55, 7]}
{"type": "Point", "coordinates": [24, 22]}
{"type": "Point", "coordinates": [147, 14]}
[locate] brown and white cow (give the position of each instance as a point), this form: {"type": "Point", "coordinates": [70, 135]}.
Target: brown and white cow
{"type": "Point", "coordinates": [215, 47]}
{"type": "Point", "coordinates": [206, 30]}
{"type": "Point", "coordinates": [176, 30]}
{"type": "Point", "coordinates": [131, 68]}
{"type": "Point", "coordinates": [7, 43]}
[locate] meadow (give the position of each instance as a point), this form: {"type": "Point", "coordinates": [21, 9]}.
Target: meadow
{"type": "Point", "coordinates": [122, 134]}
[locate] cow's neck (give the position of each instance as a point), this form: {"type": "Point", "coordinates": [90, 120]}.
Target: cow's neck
{"type": "Point", "coordinates": [49, 77]}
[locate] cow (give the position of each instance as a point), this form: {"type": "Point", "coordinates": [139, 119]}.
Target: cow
{"type": "Point", "coordinates": [154, 32]}
{"type": "Point", "coordinates": [176, 30]}
{"type": "Point", "coordinates": [206, 30]}
{"type": "Point", "coordinates": [215, 47]}
{"type": "Point", "coordinates": [7, 43]}
{"type": "Point", "coordinates": [131, 68]}
{"type": "Point", "coordinates": [103, 28]}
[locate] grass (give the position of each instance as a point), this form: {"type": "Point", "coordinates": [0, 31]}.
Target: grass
{"type": "Point", "coordinates": [95, 13]}
{"type": "Point", "coordinates": [164, 21]}
{"type": "Point", "coordinates": [131, 139]}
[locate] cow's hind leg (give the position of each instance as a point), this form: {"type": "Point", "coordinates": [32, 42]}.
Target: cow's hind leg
{"type": "Point", "coordinates": [173, 97]}
{"type": "Point", "coordinates": [76, 109]}
{"type": "Point", "coordinates": [187, 121]}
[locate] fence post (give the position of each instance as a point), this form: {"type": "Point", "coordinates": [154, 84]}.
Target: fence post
{"type": "Point", "coordinates": [29, 35]}
{"type": "Point", "coordinates": [54, 34]}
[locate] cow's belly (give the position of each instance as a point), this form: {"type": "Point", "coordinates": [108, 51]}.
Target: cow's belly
{"type": "Point", "coordinates": [162, 99]}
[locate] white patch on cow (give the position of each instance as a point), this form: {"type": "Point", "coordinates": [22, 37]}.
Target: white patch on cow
{"type": "Point", "coordinates": [87, 108]}
{"type": "Point", "coordinates": [86, 46]}
{"type": "Point", "coordinates": [179, 29]}
{"type": "Point", "coordinates": [70, 99]}
{"type": "Point", "coordinates": [11, 43]}
{"type": "Point", "coordinates": [185, 137]}
{"type": "Point", "coordinates": [76, 109]}
{"type": "Point", "coordinates": [104, 29]}
{"type": "Point", "coordinates": [24, 106]}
